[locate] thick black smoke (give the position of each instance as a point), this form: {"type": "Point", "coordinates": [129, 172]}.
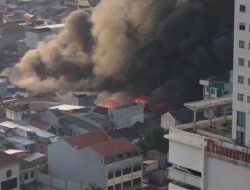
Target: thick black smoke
{"type": "Point", "coordinates": [153, 48]}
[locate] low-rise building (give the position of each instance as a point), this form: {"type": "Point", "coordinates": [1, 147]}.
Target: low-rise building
{"type": "Point", "coordinates": [94, 158]}
{"type": "Point", "coordinates": [15, 172]}
{"type": "Point", "coordinates": [126, 115]}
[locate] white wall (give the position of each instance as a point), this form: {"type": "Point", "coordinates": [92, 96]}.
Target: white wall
{"type": "Point", "coordinates": [167, 121]}
{"type": "Point", "coordinates": [223, 175]}
{"type": "Point", "coordinates": [186, 149]}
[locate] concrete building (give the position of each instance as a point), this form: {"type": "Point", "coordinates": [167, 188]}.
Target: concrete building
{"type": "Point", "coordinates": [241, 74]}
{"type": "Point", "coordinates": [10, 33]}
{"type": "Point", "coordinates": [94, 158]}
{"type": "Point", "coordinates": [83, 99]}
{"type": "Point", "coordinates": [127, 115]}
{"type": "Point", "coordinates": [217, 87]}
{"type": "Point", "coordinates": [15, 172]}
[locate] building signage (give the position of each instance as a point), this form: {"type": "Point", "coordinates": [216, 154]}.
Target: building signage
{"type": "Point", "coordinates": [213, 147]}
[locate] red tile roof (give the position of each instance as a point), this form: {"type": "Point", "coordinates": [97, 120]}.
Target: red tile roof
{"type": "Point", "coordinates": [114, 147]}
{"type": "Point", "coordinates": [87, 139]}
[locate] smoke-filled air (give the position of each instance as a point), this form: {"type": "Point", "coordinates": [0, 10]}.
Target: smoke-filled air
{"type": "Point", "coordinates": [156, 49]}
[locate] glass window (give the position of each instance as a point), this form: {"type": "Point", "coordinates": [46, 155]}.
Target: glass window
{"type": "Point", "coordinates": [32, 175]}
{"type": "Point", "coordinates": [127, 171]}
{"type": "Point", "coordinates": [118, 173]}
{"type": "Point", "coordinates": [26, 176]}
{"type": "Point", "coordinates": [118, 186]}
{"type": "Point", "coordinates": [137, 181]}
{"type": "Point", "coordinates": [242, 26]}
{"type": "Point", "coordinates": [241, 62]}
{"type": "Point", "coordinates": [110, 175]}
{"type": "Point", "coordinates": [241, 119]}
{"type": "Point", "coordinates": [110, 188]}
{"type": "Point", "coordinates": [243, 8]}
{"type": "Point", "coordinates": [240, 97]}
{"type": "Point", "coordinates": [240, 79]}
{"type": "Point", "coordinates": [126, 184]}
{"type": "Point", "coordinates": [212, 91]}
{"type": "Point", "coordinates": [137, 167]}
{"type": "Point", "coordinates": [240, 138]}
{"type": "Point", "coordinates": [241, 44]}
{"type": "Point", "coordinates": [248, 99]}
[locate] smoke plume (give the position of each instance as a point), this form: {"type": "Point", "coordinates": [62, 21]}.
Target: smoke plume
{"type": "Point", "coordinates": [153, 48]}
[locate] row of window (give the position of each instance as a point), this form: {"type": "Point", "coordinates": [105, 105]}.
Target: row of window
{"type": "Point", "coordinates": [240, 98]}
{"type": "Point", "coordinates": [242, 26]}
{"type": "Point", "coordinates": [242, 44]}
{"type": "Point", "coordinates": [241, 62]}
{"type": "Point", "coordinates": [125, 171]}
{"type": "Point", "coordinates": [241, 80]}
{"type": "Point", "coordinates": [126, 184]}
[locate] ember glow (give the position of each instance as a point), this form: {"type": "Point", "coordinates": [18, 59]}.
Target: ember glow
{"type": "Point", "coordinates": [140, 100]}
{"type": "Point", "coordinates": [109, 102]}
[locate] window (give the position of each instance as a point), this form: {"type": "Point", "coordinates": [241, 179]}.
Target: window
{"type": "Point", "coordinates": [118, 173]}
{"type": "Point", "coordinates": [241, 119]}
{"type": "Point", "coordinates": [241, 44]}
{"type": "Point", "coordinates": [137, 181]}
{"type": "Point", "coordinates": [212, 91]}
{"type": "Point", "coordinates": [110, 175]}
{"type": "Point", "coordinates": [248, 46]}
{"type": "Point", "coordinates": [240, 79]}
{"type": "Point", "coordinates": [241, 62]}
{"type": "Point", "coordinates": [242, 26]}
{"type": "Point", "coordinates": [137, 168]}
{"type": "Point", "coordinates": [110, 188]}
{"type": "Point", "coordinates": [32, 175]}
{"type": "Point", "coordinates": [249, 63]}
{"type": "Point", "coordinates": [126, 184]}
{"type": "Point", "coordinates": [240, 97]}
{"type": "Point", "coordinates": [248, 81]}
{"type": "Point", "coordinates": [118, 186]}
{"type": "Point", "coordinates": [127, 171]}
{"type": "Point", "coordinates": [242, 8]}
{"type": "Point", "coordinates": [26, 176]}
{"type": "Point", "coordinates": [248, 99]}
{"type": "Point", "coordinates": [240, 138]}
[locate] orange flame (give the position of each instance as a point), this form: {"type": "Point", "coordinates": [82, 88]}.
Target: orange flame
{"type": "Point", "coordinates": [109, 102]}
{"type": "Point", "coordinates": [140, 100]}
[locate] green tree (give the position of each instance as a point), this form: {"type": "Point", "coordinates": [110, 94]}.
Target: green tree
{"type": "Point", "coordinates": [154, 140]}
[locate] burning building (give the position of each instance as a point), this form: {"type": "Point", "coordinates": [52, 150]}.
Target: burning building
{"type": "Point", "coordinates": [158, 49]}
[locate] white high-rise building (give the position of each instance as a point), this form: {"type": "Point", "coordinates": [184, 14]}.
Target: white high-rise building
{"type": "Point", "coordinates": [241, 76]}
{"type": "Point", "coordinates": [215, 154]}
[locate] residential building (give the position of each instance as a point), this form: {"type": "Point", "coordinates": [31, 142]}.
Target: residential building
{"type": "Point", "coordinates": [15, 172]}
{"type": "Point", "coordinates": [94, 158]}
{"type": "Point", "coordinates": [126, 115]}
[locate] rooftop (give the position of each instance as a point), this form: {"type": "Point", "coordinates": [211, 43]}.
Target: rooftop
{"type": "Point", "coordinates": [20, 140]}
{"type": "Point", "coordinates": [114, 147]}
{"type": "Point", "coordinates": [6, 159]}
{"type": "Point", "coordinates": [185, 115]}
{"type": "Point", "coordinates": [219, 128]}
{"type": "Point", "coordinates": [67, 107]}
{"type": "Point", "coordinates": [87, 139]}
{"type": "Point", "coordinates": [206, 104]}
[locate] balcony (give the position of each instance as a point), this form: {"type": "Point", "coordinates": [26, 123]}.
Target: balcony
{"type": "Point", "coordinates": [184, 177]}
